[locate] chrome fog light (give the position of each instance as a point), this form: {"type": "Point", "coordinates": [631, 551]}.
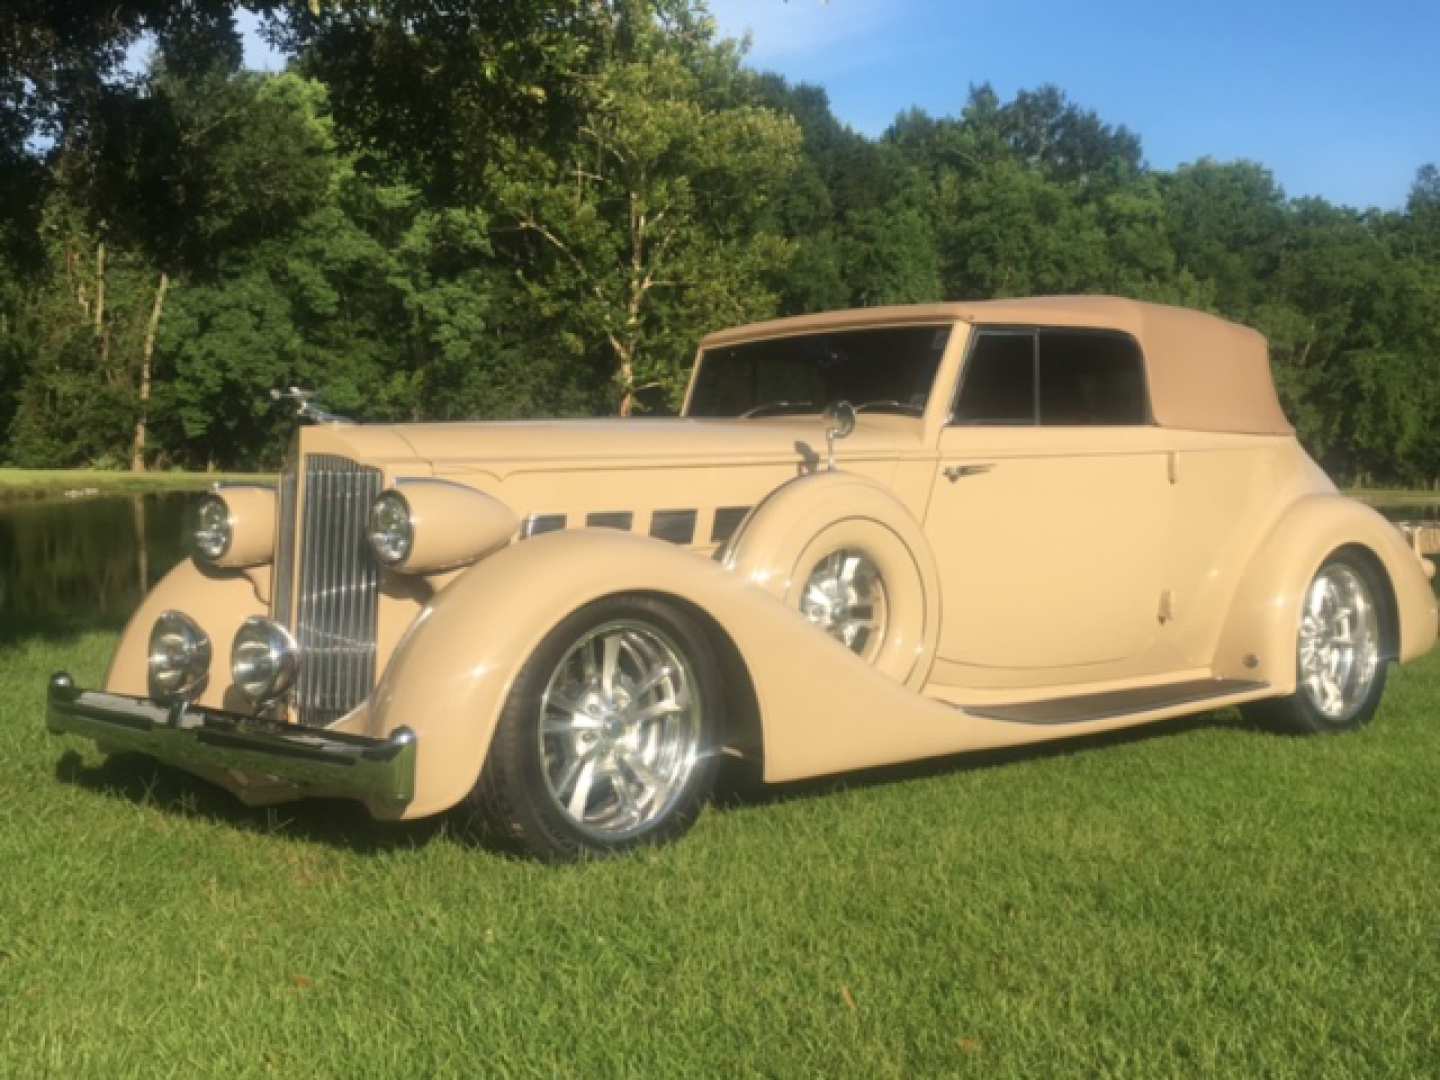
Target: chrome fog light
{"type": "Point", "coordinates": [179, 658]}
{"type": "Point", "coordinates": [212, 528]}
{"type": "Point", "coordinates": [263, 660]}
{"type": "Point", "coordinates": [392, 533]}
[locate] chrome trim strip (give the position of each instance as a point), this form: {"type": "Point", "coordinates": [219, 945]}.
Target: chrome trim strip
{"type": "Point", "coordinates": [379, 772]}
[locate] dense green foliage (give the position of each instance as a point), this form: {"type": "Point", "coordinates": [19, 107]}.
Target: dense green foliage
{"type": "Point", "coordinates": [537, 207]}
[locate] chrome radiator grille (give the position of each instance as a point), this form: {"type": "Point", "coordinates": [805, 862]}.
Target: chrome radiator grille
{"type": "Point", "coordinates": [336, 592]}
{"type": "Point", "coordinates": [284, 597]}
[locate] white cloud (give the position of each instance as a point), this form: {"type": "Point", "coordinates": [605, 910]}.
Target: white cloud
{"type": "Point", "coordinates": [785, 31]}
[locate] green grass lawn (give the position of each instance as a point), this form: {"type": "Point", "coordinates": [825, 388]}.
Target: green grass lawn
{"type": "Point", "coordinates": [1200, 898]}
{"type": "Point", "coordinates": [40, 483]}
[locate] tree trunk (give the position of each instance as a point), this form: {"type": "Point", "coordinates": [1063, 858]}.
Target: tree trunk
{"type": "Point", "coordinates": [147, 352]}
{"type": "Point", "coordinates": [627, 382]}
{"type": "Point", "coordinates": [99, 287]}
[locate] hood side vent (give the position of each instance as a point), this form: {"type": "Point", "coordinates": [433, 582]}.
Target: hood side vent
{"type": "Point", "coordinates": [536, 524]}
{"type": "Point", "coordinates": [675, 526]}
{"type": "Point", "coordinates": [727, 520]}
{"type": "Point", "coordinates": [610, 519]}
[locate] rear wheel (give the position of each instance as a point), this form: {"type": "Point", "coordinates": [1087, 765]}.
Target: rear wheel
{"type": "Point", "coordinates": [604, 743]}
{"type": "Point", "coordinates": [1340, 665]}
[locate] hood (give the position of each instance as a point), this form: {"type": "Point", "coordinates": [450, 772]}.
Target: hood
{"type": "Point", "coordinates": [493, 445]}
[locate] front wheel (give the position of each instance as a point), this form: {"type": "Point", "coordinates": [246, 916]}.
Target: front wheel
{"type": "Point", "coordinates": [1340, 666]}
{"type": "Point", "coordinates": [605, 741]}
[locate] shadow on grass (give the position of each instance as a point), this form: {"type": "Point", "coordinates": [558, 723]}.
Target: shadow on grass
{"type": "Point", "coordinates": [345, 825]}
{"type": "Point", "coordinates": [339, 823]}
{"type": "Point", "coordinates": [740, 786]}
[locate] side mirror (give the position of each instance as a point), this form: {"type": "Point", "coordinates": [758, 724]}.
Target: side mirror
{"type": "Point", "coordinates": [839, 423]}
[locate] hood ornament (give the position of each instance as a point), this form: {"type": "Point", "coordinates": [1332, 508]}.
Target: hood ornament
{"type": "Point", "coordinates": [839, 423]}
{"type": "Point", "coordinates": [304, 409]}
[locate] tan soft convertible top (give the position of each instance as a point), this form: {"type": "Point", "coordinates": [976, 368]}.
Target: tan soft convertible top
{"type": "Point", "coordinates": [1205, 373]}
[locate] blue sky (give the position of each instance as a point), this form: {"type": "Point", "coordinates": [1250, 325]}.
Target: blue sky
{"type": "Point", "coordinates": [1340, 100]}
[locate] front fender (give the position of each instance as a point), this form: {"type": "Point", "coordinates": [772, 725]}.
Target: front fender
{"type": "Point", "coordinates": [822, 708]}
{"type": "Point", "coordinates": [218, 600]}
{"type": "Point", "coordinates": [1258, 639]}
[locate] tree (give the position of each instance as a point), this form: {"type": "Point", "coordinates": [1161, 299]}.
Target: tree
{"type": "Point", "coordinates": [640, 234]}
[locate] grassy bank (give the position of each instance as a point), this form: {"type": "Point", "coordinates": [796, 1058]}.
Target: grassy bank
{"type": "Point", "coordinates": [1198, 899]}
{"type": "Point", "coordinates": [1394, 497]}
{"type": "Point", "coordinates": [47, 483]}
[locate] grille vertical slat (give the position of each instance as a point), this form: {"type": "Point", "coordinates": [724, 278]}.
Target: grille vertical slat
{"type": "Point", "coordinates": [283, 579]}
{"type": "Point", "coordinates": [335, 619]}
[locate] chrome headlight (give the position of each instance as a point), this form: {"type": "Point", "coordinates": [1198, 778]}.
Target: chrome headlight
{"type": "Point", "coordinates": [213, 528]}
{"type": "Point", "coordinates": [436, 525]}
{"type": "Point", "coordinates": [264, 660]}
{"type": "Point", "coordinates": [392, 533]}
{"type": "Point", "coordinates": [179, 658]}
{"type": "Point", "coordinates": [234, 526]}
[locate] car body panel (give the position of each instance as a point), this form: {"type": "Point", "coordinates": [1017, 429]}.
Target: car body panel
{"type": "Point", "coordinates": [1027, 564]}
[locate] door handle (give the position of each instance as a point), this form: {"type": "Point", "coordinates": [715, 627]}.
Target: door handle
{"type": "Point", "coordinates": [955, 472]}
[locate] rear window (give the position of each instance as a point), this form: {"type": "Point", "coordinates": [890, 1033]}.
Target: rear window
{"type": "Point", "coordinates": [1053, 377]}
{"type": "Point", "coordinates": [1091, 378]}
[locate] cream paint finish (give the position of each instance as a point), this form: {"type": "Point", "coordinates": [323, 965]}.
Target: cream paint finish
{"type": "Point", "coordinates": [809, 519]}
{"type": "Point", "coordinates": [1040, 578]}
{"type": "Point", "coordinates": [453, 525]}
{"type": "Point", "coordinates": [1053, 556]}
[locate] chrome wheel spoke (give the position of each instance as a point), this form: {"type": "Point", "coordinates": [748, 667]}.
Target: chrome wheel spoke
{"type": "Point", "coordinates": [581, 797]}
{"type": "Point", "coordinates": [1338, 648]}
{"type": "Point", "coordinates": [570, 725]}
{"type": "Point", "coordinates": [660, 708]}
{"type": "Point", "coordinates": [648, 779]}
{"type": "Point", "coordinates": [845, 596]}
{"type": "Point", "coordinates": [652, 679]}
{"type": "Point", "coordinates": [610, 658]}
{"type": "Point", "coordinates": [619, 729]}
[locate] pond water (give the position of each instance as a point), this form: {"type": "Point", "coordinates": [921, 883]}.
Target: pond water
{"type": "Point", "coordinates": [85, 564]}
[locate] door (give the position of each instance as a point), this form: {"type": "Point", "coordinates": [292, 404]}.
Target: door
{"type": "Point", "coordinates": [1051, 504]}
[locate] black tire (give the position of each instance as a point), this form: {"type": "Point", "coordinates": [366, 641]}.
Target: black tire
{"type": "Point", "coordinates": [1300, 713]}
{"type": "Point", "coordinates": [516, 795]}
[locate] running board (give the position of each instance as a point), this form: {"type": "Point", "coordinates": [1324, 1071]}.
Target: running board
{"type": "Point", "coordinates": [1078, 710]}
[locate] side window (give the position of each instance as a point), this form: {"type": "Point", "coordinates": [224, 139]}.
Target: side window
{"type": "Point", "coordinates": [998, 383]}
{"type": "Point", "coordinates": [1091, 378]}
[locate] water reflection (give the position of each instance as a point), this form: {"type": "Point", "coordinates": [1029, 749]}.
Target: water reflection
{"type": "Point", "coordinates": [86, 564]}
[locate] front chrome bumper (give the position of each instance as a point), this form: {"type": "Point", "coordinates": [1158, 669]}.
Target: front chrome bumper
{"type": "Point", "coordinates": [378, 772]}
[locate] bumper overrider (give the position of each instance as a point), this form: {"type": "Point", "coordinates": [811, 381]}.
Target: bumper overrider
{"type": "Point", "coordinates": [378, 772]}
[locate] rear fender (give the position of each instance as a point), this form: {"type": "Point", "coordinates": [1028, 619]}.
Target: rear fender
{"type": "Point", "coordinates": [1260, 632]}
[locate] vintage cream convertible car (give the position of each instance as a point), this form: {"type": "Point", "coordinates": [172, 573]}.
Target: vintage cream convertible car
{"type": "Point", "coordinates": [872, 536]}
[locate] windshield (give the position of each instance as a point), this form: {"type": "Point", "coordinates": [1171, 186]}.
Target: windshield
{"type": "Point", "coordinates": [885, 370]}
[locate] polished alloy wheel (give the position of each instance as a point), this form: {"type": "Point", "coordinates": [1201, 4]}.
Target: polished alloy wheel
{"type": "Point", "coordinates": [1339, 647]}
{"type": "Point", "coordinates": [845, 597]}
{"type": "Point", "coordinates": [620, 728]}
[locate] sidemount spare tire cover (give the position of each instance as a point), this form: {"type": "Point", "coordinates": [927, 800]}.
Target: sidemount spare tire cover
{"type": "Point", "coordinates": [807, 519]}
